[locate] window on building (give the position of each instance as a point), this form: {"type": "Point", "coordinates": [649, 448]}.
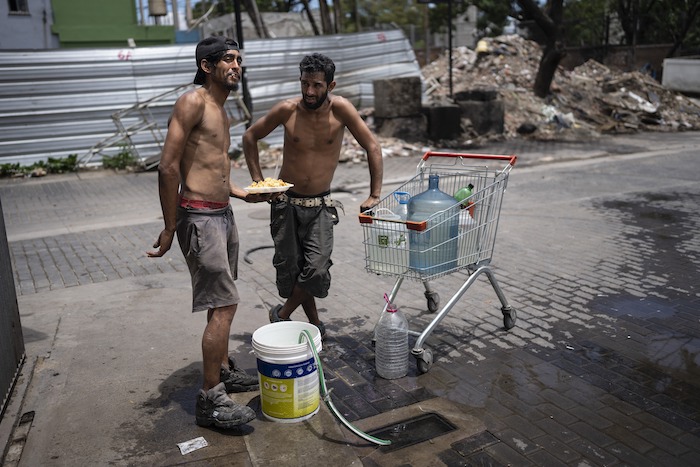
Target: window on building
{"type": "Point", "coordinates": [18, 6]}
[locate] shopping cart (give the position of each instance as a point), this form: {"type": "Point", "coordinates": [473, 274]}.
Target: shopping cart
{"type": "Point", "coordinates": [458, 238]}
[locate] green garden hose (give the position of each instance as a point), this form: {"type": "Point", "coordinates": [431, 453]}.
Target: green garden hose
{"type": "Point", "coordinates": [325, 394]}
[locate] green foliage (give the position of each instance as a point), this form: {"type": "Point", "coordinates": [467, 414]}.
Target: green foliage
{"type": "Point", "coordinates": [120, 161]}
{"type": "Point", "coordinates": [51, 166]}
{"type": "Point", "coordinates": [493, 16]}
{"type": "Point", "coordinates": [585, 22]}
{"type": "Point", "coordinates": [10, 170]}
{"type": "Point", "coordinates": [59, 166]}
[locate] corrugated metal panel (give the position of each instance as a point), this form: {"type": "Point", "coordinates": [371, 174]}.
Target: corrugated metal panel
{"type": "Point", "coordinates": [59, 102]}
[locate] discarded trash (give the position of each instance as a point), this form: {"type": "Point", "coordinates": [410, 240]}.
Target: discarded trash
{"type": "Point", "coordinates": [187, 447]}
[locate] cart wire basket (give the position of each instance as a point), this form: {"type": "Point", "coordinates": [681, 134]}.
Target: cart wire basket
{"type": "Point", "coordinates": [460, 237]}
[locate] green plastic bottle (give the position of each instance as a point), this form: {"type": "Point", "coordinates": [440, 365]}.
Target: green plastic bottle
{"type": "Point", "coordinates": [463, 194]}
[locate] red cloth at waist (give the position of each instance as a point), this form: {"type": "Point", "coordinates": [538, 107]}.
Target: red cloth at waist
{"type": "Point", "coordinates": [201, 204]}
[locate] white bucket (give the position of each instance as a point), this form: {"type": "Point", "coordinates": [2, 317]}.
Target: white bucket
{"type": "Point", "coordinates": [289, 384]}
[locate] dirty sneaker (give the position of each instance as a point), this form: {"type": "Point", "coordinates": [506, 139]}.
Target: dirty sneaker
{"type": "Point", "coordinates": [322, 329]}
{"type": "Point", "coordinates": [236, 379]}
{"type": "Point", "coordinates": [215, 407]}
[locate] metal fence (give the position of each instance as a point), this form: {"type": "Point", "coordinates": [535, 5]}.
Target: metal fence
{"type": "Point", "coordinates": [11, 341]}
{"type": "Point", "coordinates": [56, 103]}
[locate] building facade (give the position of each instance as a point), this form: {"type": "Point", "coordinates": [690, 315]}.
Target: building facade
{"type": "Point", "coordinates": [26, 25]}
{"type": "Point", "coordinates": [52, 24]}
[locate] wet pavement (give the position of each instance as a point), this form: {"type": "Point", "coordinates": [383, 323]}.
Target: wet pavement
{"type": "Point", "coordinates": [597, 250]}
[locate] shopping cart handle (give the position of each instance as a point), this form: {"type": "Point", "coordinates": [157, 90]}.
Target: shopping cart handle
{"type": "Point", "coordinates": [410, 225]}
{"type": "Point", "coordinates": [366, 219]}
{"type": "Point", "coordinates": [417, 226]}
{"type": "Point", "coordinates": [511, 159]}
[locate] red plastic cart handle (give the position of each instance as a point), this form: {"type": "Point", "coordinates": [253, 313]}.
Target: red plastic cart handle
{"type": "Point", "coordinates": [410, 225]}
{"type": "Point", "coordinates": [511, 159]}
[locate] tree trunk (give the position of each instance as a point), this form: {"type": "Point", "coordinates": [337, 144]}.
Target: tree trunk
{"type": "Point", "coordinates": [553, 53]}
{"type": "Point", "coordinates": [551, 56]}
{"type": "Point", "coordinates": [325, 17]}
{"type": "Point", "coordinates": [252, 8]}
{"type": "Point", "coordinates": [312, 21]}
{"type": "Point", "coordinates": [337, 17]}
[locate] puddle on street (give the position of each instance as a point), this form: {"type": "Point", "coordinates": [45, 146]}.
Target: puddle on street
{"type": "Point", "coordinates": [637, 307]}
{"type": "Point", "coordinates": [655, 304]}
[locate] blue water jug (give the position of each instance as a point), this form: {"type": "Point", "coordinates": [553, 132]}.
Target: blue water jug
{"type": "Point", "coordinates": [433, 250]}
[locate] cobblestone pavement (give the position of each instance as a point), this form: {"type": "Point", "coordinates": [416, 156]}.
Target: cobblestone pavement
{"type": "Point", "coordinates": [598, 254]}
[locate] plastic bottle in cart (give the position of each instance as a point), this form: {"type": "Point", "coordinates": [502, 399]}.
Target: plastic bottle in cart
{"type": "Point", "coordinates": [433, 250]}
{"type": "Point", "coordinates": [463, 194]}
{"type": "Point", "coordinates": [468, 233]}
{"type": "Point", "coordinates": [391, 344]}
{"type": "Point", "coordinates": [402, 198]}
{"type": "Point", "coordinates": [468, 239]}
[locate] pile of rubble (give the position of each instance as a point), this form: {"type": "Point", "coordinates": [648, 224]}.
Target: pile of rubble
{"type": "Point", "coordinates": [590, 99]}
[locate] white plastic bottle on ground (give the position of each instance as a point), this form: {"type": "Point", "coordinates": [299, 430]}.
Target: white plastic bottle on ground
{"type": "Point", "coordinates": [391, 344]}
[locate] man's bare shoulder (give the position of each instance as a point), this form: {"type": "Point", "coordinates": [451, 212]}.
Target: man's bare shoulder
{"type": "Point", "coordinates": [287, 105]}
{"type": "Point", "coordinates": [191, 98]}
{"type": "Point", "coordinates": [342, 107]}
{"type": "Point", "coordinates": [282, 111]}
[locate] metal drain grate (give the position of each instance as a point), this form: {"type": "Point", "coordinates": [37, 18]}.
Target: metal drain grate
{"type": "Point", "coordinates": [413, 431]}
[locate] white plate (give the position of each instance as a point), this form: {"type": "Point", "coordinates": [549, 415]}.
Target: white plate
{"type": "Point", "coordinates": [267, 189]}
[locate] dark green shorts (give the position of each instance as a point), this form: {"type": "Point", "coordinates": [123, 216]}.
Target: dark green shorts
{"type": "Point", "coordinates": [303, 239]}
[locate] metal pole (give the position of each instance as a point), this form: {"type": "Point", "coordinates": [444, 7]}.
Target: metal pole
{"type": "Point", "coordinates": [449, 40]}
{"type": "Point", "coordinates": [142, 18]}
{"type": "Point", "coordinates": [426, 27]}
{"type": "Point", "coordinates": [176, 14]}
{"type": "Point", "coordinates": [244, 81]}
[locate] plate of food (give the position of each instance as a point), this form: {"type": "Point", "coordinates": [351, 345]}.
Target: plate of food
{"type": "Point", "coordinates": [269, 185]}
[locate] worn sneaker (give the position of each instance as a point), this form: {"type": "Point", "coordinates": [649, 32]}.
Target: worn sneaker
{"type": "Point", "coordinates": [322, 329]}
{"type": "Point", "coordinates": [275, 314]}
{"type": "Point", "coordinates": [215, 407]}
{"type": "Point", "coordinates": [236, 379]}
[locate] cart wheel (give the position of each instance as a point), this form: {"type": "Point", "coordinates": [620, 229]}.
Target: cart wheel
{"type": "Point", "coordinates": [433, 301]}
{"type": "Point", "coordinates": [425, 361]}
{"type": "Point", "coordinates": [509, 318]}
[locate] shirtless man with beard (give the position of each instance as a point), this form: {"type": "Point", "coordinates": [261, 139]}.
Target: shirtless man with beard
{"type": "Point", "coordinates": [302, 218]}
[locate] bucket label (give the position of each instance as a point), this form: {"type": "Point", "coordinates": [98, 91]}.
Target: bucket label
{"type": "Point", "coordinates": [288, 391]}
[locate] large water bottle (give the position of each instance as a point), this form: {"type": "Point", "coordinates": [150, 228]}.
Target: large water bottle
{"type": "Point", "coordinates": [391, 344]}
{"type": "Point", "coordinates": [433, 250]}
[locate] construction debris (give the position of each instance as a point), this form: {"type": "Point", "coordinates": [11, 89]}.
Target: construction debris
{"type": "Point", "coordinates": [590, 99]}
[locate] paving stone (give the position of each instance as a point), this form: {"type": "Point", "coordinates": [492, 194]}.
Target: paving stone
{"type": "Point", "coordinates": [542, 457]}
{"type": "Point", "coordinates": [450, 458]}
{"type": "Point", "coordinates": [597, 455]}
{"type": "Point", "coordinates": [475, 443]}
{"type": "Point", "coordinates": [507, 455]}
{"type": "Point", "coordinates": [518, 441]}
{"type": "Point", "coordinates": [483, 459]}
{"type": "Point", "coordinates": [556, 449]}
{"type": "Point", "coordinates": [556, 429]}
{"type": "Point", "coordinates": [662, 441]}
